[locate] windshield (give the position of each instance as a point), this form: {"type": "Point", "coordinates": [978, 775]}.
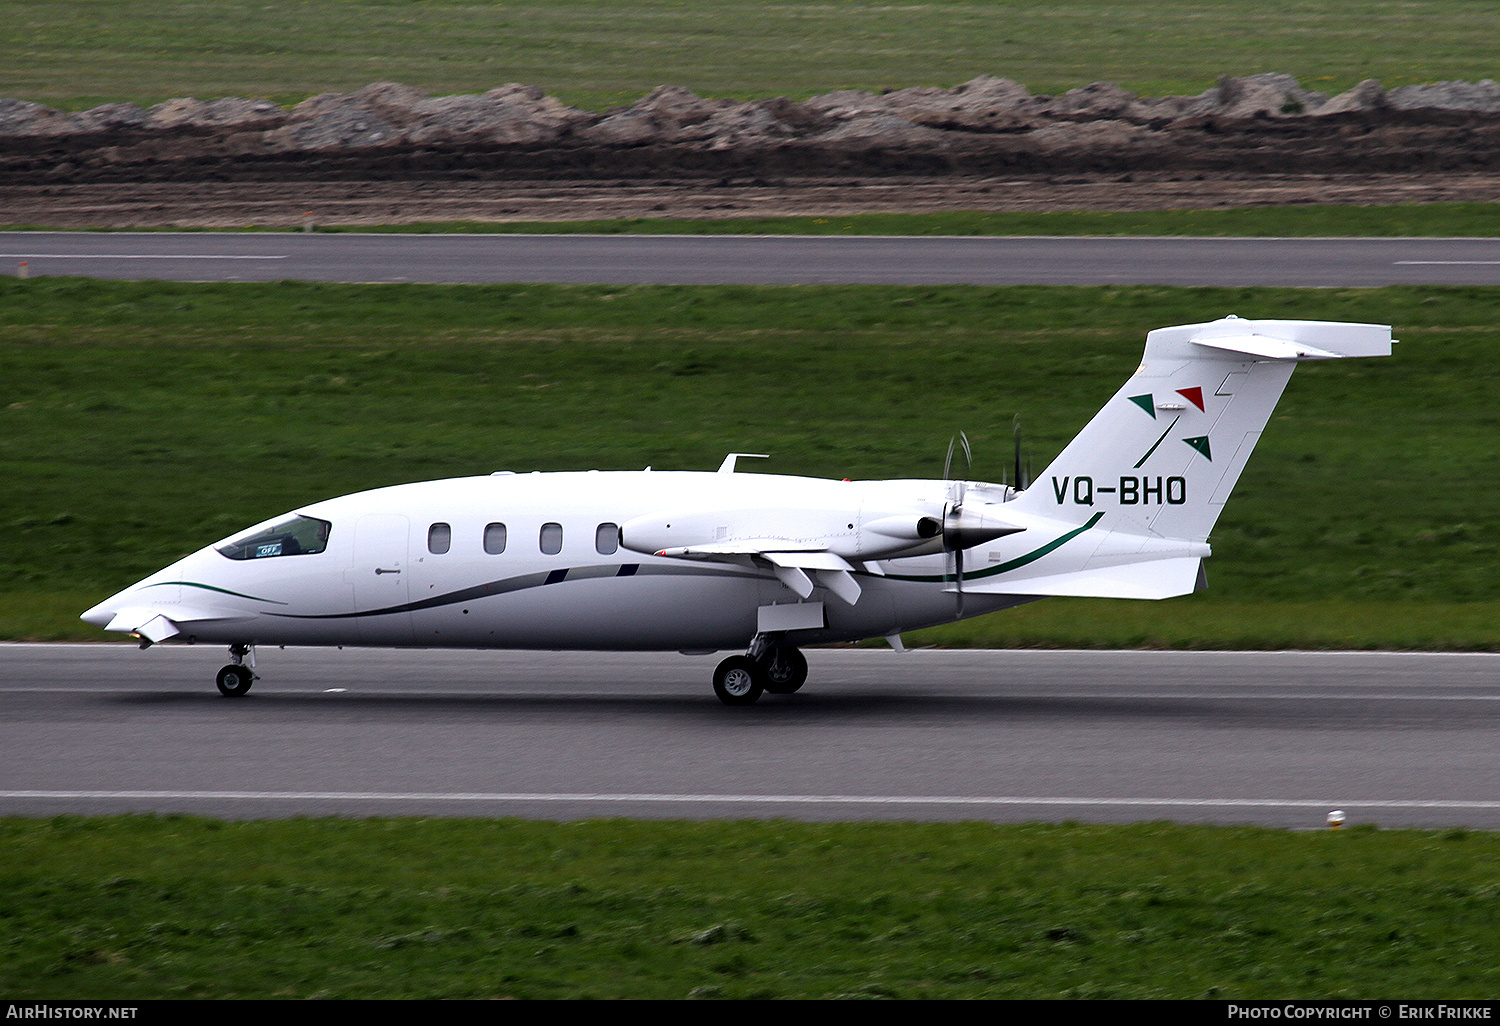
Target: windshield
{"type": "Point", "coordinates": [294, 536]}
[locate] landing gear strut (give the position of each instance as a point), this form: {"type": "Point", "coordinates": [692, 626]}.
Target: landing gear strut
{"type": "Point", "coordinates": [779, 669]}
{"type": "Point", "coordinates": [235, 679]}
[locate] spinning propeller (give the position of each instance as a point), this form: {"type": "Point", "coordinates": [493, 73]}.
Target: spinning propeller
{"type": "Point", "coordinates": [1022, 473]}
{"type": "Point", "coordinates": [963, 530]}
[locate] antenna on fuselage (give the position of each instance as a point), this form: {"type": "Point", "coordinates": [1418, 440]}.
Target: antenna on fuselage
{"type": "Point", "coordinates": [727, 467]}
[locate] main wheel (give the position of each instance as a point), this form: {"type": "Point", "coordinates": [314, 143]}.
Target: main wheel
{"type": "Point", "coordinates": [234, 680]}
{"type": "Point", "coordinates": [785, 670]}
{"type": "Point", "coordinates": [738, 681]}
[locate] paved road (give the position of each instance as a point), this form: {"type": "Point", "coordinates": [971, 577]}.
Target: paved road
{"type": "Point", "coordinates": [754, 260]}
{"type": "Point", "coordinates": [1271, 738]}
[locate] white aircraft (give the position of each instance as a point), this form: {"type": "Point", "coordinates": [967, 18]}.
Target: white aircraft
{"type": "Point", "coordinates": [701, 562]}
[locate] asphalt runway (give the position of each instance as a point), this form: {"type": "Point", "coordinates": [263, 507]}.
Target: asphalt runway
{"type": "Point", "coordinates": [666, 259]}
{"type": "Point", "coordinates": [1277, 739]}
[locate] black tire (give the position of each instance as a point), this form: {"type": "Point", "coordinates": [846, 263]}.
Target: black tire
{"type": "Point", "coordinates": [784, 670]}
{"type": "Point", "coordinates": [234, 680]}
{"type": "Point", "coordinates": [738, 680]}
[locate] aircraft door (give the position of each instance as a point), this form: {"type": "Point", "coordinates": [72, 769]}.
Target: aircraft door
{"type": "Point", "coordinates": [381, 569]}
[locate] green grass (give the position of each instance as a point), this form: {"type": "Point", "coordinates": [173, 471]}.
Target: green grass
{"type": "Point", "coordinates": [597, 53]}
{"type": "Point", "coordinates": [1431, 220]}
{"type": "Point", "coordinates": [147, 907]}
{"type": "Point", "coordinates": [141, 421]}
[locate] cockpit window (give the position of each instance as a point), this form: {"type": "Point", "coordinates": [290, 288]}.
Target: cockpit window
{"type": "Point", "coordinates": [294, 536]}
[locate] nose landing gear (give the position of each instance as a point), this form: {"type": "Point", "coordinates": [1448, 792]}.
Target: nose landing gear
{"type": "Point", "coordinates": [235, 679]}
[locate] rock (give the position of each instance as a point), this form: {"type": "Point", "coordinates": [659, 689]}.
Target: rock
{"type": "Point", "coordinates": [659, 117]}
{"type": "Point", "coordinates": [1366, 96]}
{"type": "Point", "coordinates": [1098, 101]}
{"type": "Point", "coordinates": [883, 130]}
{"type": "Point", "coordinates": [845, 103]}
{"type": "Point", "coordinates": [333, 121]}
{"type": "Point", "coordinates": [744, 125]}
{"type": "Point", "coordinates": [1264, 95]}
{"type": "Point", "coordinates": [229, 112]}
{"type": "Point", "coordinates": [24, 118]}
{"type": "Point", "coordinates": [1482, 97]}
{"type": "Point", "coordinates": [107, 118]}
{"type": "Point", "coordinates": [510, 115]}
{"type": "Point", "coordinates": [397, 104]}
{"type": "Point", "coordinates": [1069, 136]}
{"type": "Point", "coordinates": [985, 126]}
{"type": "Point", "coordinates": [981, 104]}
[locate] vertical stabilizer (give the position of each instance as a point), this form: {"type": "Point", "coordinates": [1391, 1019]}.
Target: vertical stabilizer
{"type": "Point", "coordinates": [1163, 455]}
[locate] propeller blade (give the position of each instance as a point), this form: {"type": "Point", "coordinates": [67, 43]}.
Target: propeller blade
{"type": "Point", "coordinates": [958, 486]}
{"type": "Point", "coordinates": [1021, 475]}
{"type": "Point", "coordinates": [958, 578]}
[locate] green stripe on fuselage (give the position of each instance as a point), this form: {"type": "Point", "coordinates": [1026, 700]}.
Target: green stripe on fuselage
{"type": "Point", "coordinates": [1010, 564]}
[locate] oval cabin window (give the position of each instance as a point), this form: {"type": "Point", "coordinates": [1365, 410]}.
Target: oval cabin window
{"type": "Point", "coordinates": [551, 539]}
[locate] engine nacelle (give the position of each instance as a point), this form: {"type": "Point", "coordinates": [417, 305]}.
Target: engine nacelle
{"type": "Point", "coordinates": [851, 534]}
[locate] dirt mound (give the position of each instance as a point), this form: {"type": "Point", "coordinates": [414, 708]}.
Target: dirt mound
{"type": "Point", "coordinates": [1258, 124]}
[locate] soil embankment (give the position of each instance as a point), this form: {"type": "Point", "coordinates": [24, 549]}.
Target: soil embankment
{"type": "Point", "coordinates": [392, 154]}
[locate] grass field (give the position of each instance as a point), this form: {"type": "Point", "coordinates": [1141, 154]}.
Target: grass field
{"type": "Point", "coordinates": [140, 421]}
{"type": "Point", "coordinates": [597, 53]}
{"type": "Point", "coordinates": [1430, 220]}
{"type": "Point", "coordinates": [147, 907]}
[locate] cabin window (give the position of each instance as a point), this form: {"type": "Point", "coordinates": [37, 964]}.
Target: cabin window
{"type": "Point", "coordinates": [494, 539]}
{"type": "Point", "coordinates": [294, 536]}
{"type": "Point", "coordinates": [439, 539]}
{"type": "Point", "coordinates": [607, 539]}
{"type": "Point", "coordinates": [552, 539]}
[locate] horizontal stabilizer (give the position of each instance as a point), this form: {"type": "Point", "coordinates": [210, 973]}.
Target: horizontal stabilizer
{"type": "Point", "coordinates": [1269, 348]}
{"type": "Point", "coordinates": [1154, 579]}
{"type": "Point", "coordinates": [1291, 340]}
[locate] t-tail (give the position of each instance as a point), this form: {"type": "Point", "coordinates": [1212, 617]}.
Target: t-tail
{"type": "Point", "coordinates": [1149, 475]}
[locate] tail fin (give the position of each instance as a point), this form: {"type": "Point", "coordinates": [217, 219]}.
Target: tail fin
{"type": "Point", "coordinates": [1162, 456]}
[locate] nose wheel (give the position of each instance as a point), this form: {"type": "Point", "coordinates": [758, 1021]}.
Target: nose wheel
{"type": "Point", "coordinates": [235, 679]}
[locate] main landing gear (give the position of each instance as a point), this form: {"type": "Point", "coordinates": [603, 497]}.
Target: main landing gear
{"type": "Point", "coordinates": [779, 669]}
{"type": "Point", "coordinates": [235, 679]}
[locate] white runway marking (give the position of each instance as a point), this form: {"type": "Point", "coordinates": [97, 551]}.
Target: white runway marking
{"type": "Point", "coordinates": [135, 256]}
{"type": "Point", "coordinates": [1447, 263]}
{"type": "Point", "coordinates": [764, 799]}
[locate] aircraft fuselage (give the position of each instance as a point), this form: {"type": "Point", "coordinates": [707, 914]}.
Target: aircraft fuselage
{"type": "Point", "coordinates": [561, 579]}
